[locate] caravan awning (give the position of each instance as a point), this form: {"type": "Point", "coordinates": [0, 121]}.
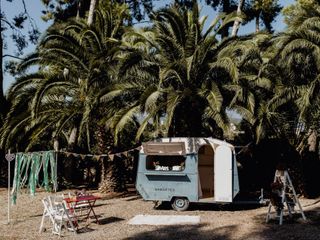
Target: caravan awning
{"type": "Point", "coordinates": [164, 148]}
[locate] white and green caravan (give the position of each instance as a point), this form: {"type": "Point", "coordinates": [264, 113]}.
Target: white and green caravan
{"type": "Point", "coordinates": [183, 170]}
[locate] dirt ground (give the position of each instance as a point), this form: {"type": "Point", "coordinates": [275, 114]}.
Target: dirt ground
{"type": "Point", "coordinates": [217, 222]}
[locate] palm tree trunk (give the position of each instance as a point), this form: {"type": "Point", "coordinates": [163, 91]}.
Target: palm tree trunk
{"type": "Point", "coordinates": [113, 169]}
{"type": "Point", "coordinates": [107, 183]}
{"type": "Point", "coordinates": [237, 22]}
{"type": "Point", "coordinates": [78, 9]}
{"type": "Point", "coordinates": [56, 144]}
{"type": "Point", "coordinates": [313, 141]}
{"type": "Point", "coordinates": [114, 176]}
{"type": "Point", "coordinates": [100, 136]}
{"type": "Point", "coordinates": [258, 22]}
{"type": "Point", "coordinates": [309, 142]}
{"type": "Point", "coordinates": [72, 138]}
{"type": "Point", "coordinates": [70, 162]}
{"type": "Point", "coordinates": [93, 4]}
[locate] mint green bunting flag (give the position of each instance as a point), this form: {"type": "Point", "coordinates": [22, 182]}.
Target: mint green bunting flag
{"type": "Point", "coordinates": [45, 160]}
{"type": "Point", "coordinates": [27, 169]}
{"type": "Point", "coordinates": [16, 179]}
{"type": "Point", "coordinates": [33, 176]}
{"type": "Point", "coordinates": [53, 164]}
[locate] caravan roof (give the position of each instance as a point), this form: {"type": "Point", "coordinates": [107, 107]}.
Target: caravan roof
{"type": "Point", "coordinates": [179, 145]}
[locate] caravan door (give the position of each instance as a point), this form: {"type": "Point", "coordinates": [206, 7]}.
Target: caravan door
{"type": "Point", "coordinates": [223, 177]}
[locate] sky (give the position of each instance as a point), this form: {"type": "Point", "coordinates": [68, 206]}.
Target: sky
{"type": "Point", "coordinates": [34, 7]}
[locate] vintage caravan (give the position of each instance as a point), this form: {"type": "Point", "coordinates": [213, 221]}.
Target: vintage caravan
{"type": "Point", "coordinates": [183, 170]}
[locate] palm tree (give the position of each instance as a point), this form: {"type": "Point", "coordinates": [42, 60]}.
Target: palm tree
{"type": "Point", "coordinates": [81, 63]}
{"type": "Point", "coordinates": [259, 81]}
{"type": "Point", "coordinates": [173, 72]}
{"type": "Point", "coordinates": [299, 58]}
{"type": "Point", "coordinates": [77, 62]}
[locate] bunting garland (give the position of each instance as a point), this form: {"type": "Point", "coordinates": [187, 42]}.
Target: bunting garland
{"type": "Point", "coordinates": [28, 167]}
{"type": "Point", "coordinates": [98, 156]}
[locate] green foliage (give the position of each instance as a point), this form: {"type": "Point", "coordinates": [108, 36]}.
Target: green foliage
{"type": "Point", "coordinates": [76, 63]}
{"type": "Point", "coordinates": [173, 78]}
{"type": "Point", "coordinates": [14, 30]}
{"type": "Point", "coordinates": [174, 75]}
{"type": "Point", "coordinates": [106, 87]}
{"type": "Point", "coordinates": [295, 14]}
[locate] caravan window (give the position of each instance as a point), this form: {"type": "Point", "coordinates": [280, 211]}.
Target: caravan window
{"type": "Point", "coordinates": [165, 163]}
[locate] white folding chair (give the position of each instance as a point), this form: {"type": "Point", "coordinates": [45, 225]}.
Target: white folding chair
{"type": "Point", "coordinates": [47, 213]}
{"type": "Point", "coordinates": [59, 216]}
{"type": "Point", "coordinates": [63, 218]}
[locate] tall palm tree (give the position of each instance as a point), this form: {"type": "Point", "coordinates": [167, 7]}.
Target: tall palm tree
{"type": "Point", "coordinates": [77, 62]}
{"type": "Point", "coordinates": [179, 78]}
{"type": "Point", "coordinates": [259, 79]}
{"type": "Point", "coordinates": [298, 56]}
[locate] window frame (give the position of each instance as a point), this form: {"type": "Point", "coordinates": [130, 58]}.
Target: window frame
{"type": "Point", "coordinates": [149, 162]}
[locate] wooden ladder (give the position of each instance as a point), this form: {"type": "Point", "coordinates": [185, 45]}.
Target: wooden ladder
{"type": "Point", "coordinates": [287, 196]}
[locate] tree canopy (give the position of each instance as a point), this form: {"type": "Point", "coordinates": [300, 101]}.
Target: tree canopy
{"type": "Point", "coordinates": [172, 77]}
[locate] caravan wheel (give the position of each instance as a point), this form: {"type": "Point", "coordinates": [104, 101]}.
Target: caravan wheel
{"type": "Point", "coordinates": [180, 204]}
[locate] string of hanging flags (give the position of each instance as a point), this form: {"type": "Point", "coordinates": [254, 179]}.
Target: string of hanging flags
{"type": "Point", "coordinates": [125, 153]}
{"type": "Point", "coordinates": [28, 169]}
{"type": "Point", "coordinates": [110, 156]}
{"type": "Point", "coordinates": [31, 165]}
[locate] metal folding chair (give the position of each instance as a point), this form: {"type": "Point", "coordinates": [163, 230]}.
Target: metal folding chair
{"type": "Point", "coordinates": [79, 208]}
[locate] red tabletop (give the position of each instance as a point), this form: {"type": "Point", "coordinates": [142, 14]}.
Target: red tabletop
{"type": "Point", "coordinates": [82, 198]}
{"type": "Point", "coordinates": [90, 199]}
